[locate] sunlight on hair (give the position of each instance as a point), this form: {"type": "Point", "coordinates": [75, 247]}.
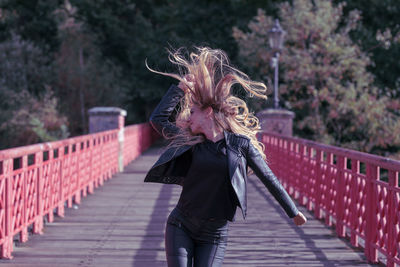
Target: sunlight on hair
{"type": "Point", "coordinates": [214, 78]}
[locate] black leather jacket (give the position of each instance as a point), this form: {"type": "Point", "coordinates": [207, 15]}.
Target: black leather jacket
{"type": "Point", "coordinates": [174, 163]}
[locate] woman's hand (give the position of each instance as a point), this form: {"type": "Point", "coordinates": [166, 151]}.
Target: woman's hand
{"type": "Point", "coordinates": [189, 79]}
{"type": "Point", "coordinates": [300, 219]}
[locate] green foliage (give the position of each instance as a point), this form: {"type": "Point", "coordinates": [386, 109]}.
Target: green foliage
{"type": "Point", "coordinates": [22, 67]}
{"type": "Point", "coordinates": [28, 112]}
{"type": "Point", "coordinates": [84, 78]}
{"type": "Point", "coordinates": [324, 76]}
{"type": "Point", "coordinates": [124, 37]}
{"type": "Point", "coordinates": [115, 38]}
{"type": "Point", "coordinates": [134, 31]}
{"type": "Point", "coordinates": [36, 120]}
{"type": "Point", "coordinates": [379, 35]}
{"type": "Point", "coordinates": [33, 20]}
{"type": "Point", "coordinates": [91, 53]}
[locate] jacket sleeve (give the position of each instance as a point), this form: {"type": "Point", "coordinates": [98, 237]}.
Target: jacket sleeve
{"type": "Point", "coordinates": [264, 173]}
{"type": "Point", "coordinates": [159, 119]}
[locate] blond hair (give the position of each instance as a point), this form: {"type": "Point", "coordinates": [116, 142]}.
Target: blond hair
{"type": "Point", "coordinates": [214, 78]}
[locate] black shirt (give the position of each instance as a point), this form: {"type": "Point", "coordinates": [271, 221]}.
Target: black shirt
{"type": "Point", "coordinates": [207, 192]}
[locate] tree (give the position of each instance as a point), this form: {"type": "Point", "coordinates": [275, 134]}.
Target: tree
{"type": "Point", "coordinates": [36, 120]}
{"type": "Point", "coordinates": [324, 76]}
{"type": "Point", "coordinates": [28, 110]}
{"type": "Point", "coordinates": [378, 33]}
{"type": "Point", "coordinates": [84, 78]}
{"type": "Point", "coordinates": [32, 20]}
{"type": "Point", "coordinates": [130, 32]}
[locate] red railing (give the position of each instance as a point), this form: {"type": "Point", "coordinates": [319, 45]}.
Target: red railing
{"type": "Point", "coordinates": [357, 192]}
{"type": "Point", "coordinates": [39, 179]}
{"type": "Point", "coordinates": [137, 139]}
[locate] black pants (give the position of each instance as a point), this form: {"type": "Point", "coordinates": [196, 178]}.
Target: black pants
{"type": "Point", "coordinates": [191, 241]}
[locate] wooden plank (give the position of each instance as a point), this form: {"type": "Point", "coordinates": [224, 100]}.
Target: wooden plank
{"type": "Point", "coordinates": [123, 222]}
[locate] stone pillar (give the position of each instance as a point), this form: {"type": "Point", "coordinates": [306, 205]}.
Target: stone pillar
{"type": "Point", "coordinates": [108, 118]}
{"type": "Point", "coordinates": [278, 121]}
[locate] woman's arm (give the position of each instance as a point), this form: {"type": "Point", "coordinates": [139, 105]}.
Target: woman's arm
{"type": "Point", "coordinates": [159, 119]}
{"type": "Point", "coordinates": [264, 173]}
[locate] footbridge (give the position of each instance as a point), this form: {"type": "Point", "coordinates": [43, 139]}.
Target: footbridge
{"type": "Point", "coordinates": [69, 203]}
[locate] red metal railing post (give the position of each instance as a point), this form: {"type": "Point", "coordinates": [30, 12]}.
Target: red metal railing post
{"type": "Point", "coordinates": [116, 151]}
{"type": "Point", "coordinates": [372, 177]}
{"type": "Point", "coordinates": [67, 161]}
{"type": "Point", "coordinates": [38, 224]}
{"type": "Point", "coordinates": [318, 184]}
{"type": "Point", "coordinates": [391, 241]}
{"type": "Point", "coordinates": [101, 149]}
{"type": "Point", "coordinates": [83, 168]}
{"type": "Point", "coordinates": [341, 163]}
{"type": "Point", "coordinates": [303, 175]}
{"type": "Point", "coordinates": [310, 179]}
{"type": "Point", "coordinates": [291, 157]}
{"type": "Point", "coordinates": [23, 234]}
{"type": "Point", "coordinates": [51, 178]}
{"type": "Point", "coordinates": [7, 246]}
{"type": "Point", "coordinates": [104, 159]}
{"type": "Point", "coordinates": [61, 202]}
{"type": "Point", "coordinates": [92, 173]}
{"type": "Point", "coordinates": [355, 172]}
{"type": "Point", "coordinates": [328, 217]}
{"type": "Point", "coordinates": [295, 181]}
{"type": "Point", "coordinates": [141, 136]}
{"type": "Point", "coordinates": [79, 173]}
{"type": "Point", "coordinates": [275, 160]}
{"type": "Point", "coordinates": [284, 173]}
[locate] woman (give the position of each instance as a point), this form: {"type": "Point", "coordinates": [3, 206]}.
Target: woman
{"type": "Point", "coordinates": [213, 142]}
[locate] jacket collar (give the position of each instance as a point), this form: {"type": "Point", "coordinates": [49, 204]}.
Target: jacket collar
{"type": "Point", "coordinates": [226, 134]}
{"type": "Point", "coordinates": [230, 141]}
{"type": "Point", "coordinates": [235, 141]}
{"type": "Point", "coordinates": [228, 137]}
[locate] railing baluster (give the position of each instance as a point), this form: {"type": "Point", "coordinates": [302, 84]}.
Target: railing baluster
{"type": "Point", "coordinates": [372, 177]}
{"type": "Point", "coordinates": [7, 246]}
{"type": "Point", "coordinates": [61, 200]}
{"type": "Point", "coordinates": [23, 235]}
{"type": "Point", "coordinates": [78, 156]}
{"type": "Point", "coordinates": [355, 172]}
{"type": "Point", "coordinates": [328, 196]}
{"type": "Point", "coordinates": [38, 225]}
{"type": "Point", "coordinates": [341, 163]}
{"type": "Point", "coordinates": [392, 235]}
{"type": "Point", "coordinates": [51, 165]}
{"type": "Point", "coordinates": [318, 184]}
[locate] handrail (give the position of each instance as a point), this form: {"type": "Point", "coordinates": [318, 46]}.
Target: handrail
{"type": "Point", "coordinates": [38, 179]}
{"type": "Point", "coordinates": [358, 192]}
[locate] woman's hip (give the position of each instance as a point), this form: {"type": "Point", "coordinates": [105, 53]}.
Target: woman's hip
{"type": "Point", "coordinates": [202, 231]}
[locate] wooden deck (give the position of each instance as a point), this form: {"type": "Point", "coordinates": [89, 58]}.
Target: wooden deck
{"type": "Point", "coordinates": [123, 222]}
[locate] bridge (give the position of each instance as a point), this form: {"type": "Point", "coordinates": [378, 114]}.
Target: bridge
{"type": "Point", "coordinates": [66, 203]}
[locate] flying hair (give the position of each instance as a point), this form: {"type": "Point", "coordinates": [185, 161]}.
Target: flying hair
{"type": "Point", "coordinates": [214, 78]}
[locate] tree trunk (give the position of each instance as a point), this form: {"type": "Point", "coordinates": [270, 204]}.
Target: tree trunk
{"type": "Point", "coordinates": [81, 95]}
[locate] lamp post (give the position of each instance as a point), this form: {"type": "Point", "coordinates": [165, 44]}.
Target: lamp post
{"type": "Point", "coordinates": [276, 36]}
{"type": "Point", "coordinates": [276, 120]}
